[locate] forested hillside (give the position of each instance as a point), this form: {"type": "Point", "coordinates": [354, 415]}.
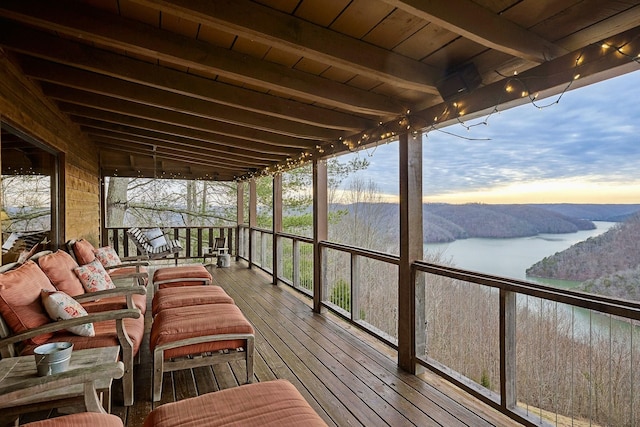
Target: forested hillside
{"type": "Point", "coordinates": [615, 252]}
{"type": "Point", "coordinates": [446, 222]}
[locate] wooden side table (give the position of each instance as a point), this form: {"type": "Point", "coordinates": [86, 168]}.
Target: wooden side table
{"type": "Point", "coordinates": [16, 369]}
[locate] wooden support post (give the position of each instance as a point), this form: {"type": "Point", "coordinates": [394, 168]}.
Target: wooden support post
{"type": "Point", "coordinates": [277, 227]}
{"type": "Point", "coordinates": [253, 218]}
{"type": "Point", "coordinates": [508, 355]}
{"type": "Point", "coordinates": [411, 317]}
{"type": "Point", "coordinates": [320, 228]}
{"type": "Point", "coordinates": [239, 219]}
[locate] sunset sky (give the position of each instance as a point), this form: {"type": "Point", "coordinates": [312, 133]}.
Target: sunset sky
{"type": "Point", "coordinates": [584, 149]}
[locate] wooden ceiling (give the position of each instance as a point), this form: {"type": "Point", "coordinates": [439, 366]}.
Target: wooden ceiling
{"type": "Point", "coordinates": [222, 89]}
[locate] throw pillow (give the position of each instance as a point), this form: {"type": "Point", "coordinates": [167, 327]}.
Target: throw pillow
{"type": "Point", "coordinates": [156, 237]}
{"type": "Point", "coordinates": [94, 277]}
{"type": "Point", "coordinates": [83, 250]}
{"type": "Point", "coordinates": [20, 304]}
{"type": "Point", "coordinates": [58, 267]}
{"type": "Point", "coordinates": [107, 256]}
{"type": "Point", "coordinates": [61, 306]}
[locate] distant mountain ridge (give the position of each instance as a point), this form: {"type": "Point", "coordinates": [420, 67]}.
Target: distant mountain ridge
{"type": "Point", "coordinates": [445, 222]}
{"type": "Point", "coordinates": [593, 212]}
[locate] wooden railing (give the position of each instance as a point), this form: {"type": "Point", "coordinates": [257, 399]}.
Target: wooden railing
{"type": "Point", "coordinates": [531, 351]}
{"type": "Point", "coordinates": [520, 347]}
{"type": "Point", "coordinates": [195, 241]}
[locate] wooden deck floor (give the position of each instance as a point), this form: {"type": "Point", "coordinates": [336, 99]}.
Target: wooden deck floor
{"type": "Point", "coordinates": [348, 377]}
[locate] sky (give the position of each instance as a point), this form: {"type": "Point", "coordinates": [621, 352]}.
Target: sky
{"type": "Point", "coordinates": [583, 149]}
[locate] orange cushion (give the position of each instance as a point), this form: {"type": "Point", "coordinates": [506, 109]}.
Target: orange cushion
{"type": "Point", "coordinates": [267, 404]}
{"type": "Point", "coordinates": [84, 251]}
{"type": "Point", "coordinates": [105, 336]}
{"type": "Point", "coordinates": [196, 321]}
{"type": "Point", "coordinates": [58, 267]}
{"type": "Point", "coordinates": [182, 272]}
{"type": "Point", "coordinates": [82, 419]}
{"type": "Point", "coordinates": [192, 295]}
{"type": "Point", "coordinates": [20, 303]}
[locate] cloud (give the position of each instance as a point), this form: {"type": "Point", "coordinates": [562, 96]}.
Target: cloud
{"type": "Point", "coordinates": [591, 135]}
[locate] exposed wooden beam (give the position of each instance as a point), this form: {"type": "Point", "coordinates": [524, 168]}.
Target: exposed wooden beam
{"type": "Point", "coordinates": [202, 152]}
{"type": "Point", "coordinates": [192, 137]}
{"type": "Point", "coordinates": [130, 70]}
{"type": "Point", "coordinates": [109, 86]}
{"type": "Point", "coordinates": [132, 36]}
{"type": "Point", "coordinates": [474, 22]}
{"type": "Point", "coordinates": [75, 96]}
{"type": "Point", "coordinates": [263, 24]}
{"type": "Point", "coordinates": [142, 148]}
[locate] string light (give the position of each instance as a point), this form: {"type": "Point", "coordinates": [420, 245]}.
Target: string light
{"type": "Point", "coordinates": [385, 132]}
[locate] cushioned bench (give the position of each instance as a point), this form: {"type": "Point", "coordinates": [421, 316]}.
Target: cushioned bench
{"type": "Point", "coordinates": [189, 295]}
{"type": "Point", "coordinates": [184, 275]}
{"type": "Point", "coordinates": [82, 419]}
{"type": "Point", "coordinates": [266, 404]}
{"type": "Point", "coordinates": [201, 335]}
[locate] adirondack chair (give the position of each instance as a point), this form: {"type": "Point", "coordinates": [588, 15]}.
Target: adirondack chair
{"type": "Point", "coordinates": [153, 243]}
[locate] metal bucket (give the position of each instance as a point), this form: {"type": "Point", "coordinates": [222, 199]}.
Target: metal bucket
{"type": "Point", "coordinates": [53, 358]}
{"type": "Point", "coordinates": [224, 260]}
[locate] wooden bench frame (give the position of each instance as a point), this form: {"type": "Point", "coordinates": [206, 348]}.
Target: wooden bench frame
{"type": "Point", "coordinates": [160, 365]}
{"type": "Point", "coordinates": [8, 339]}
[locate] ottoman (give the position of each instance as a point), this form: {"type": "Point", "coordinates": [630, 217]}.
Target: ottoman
{"type": "Point", "coordinates": [188, 295]}
{"type": "Point", "coordinates": [199, 335]}
{"type": "Point", "coordinates": [187, 275]}
{"type": "Point", "coordinates": [275, 403]}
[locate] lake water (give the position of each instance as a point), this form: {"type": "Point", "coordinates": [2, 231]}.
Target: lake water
{"type": "Point", "coordinates": [511, 257]}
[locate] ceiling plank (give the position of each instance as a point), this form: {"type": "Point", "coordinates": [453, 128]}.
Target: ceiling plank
{"type": "Point", "coordinates": [603, 29]}
{"type": "Point", "coordinates": [484, 27]}
{"type": "Point", "coordinates": [280, 30]}
{"type": "Point", "coordinates": [133, 37]}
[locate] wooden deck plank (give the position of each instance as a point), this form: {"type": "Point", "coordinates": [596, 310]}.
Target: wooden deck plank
{"type": "Point", "coordinates": [389, 406]}
{"type": "Point", "coordinates": [295, 369]}
{"type": "Point", "coordinates": [374, 365]}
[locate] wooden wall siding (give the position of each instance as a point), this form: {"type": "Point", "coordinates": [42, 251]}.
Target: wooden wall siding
{"type": "Point", "coordinates": [24, 106]}
{"type": "Point", "coordinates": [82, 205]}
